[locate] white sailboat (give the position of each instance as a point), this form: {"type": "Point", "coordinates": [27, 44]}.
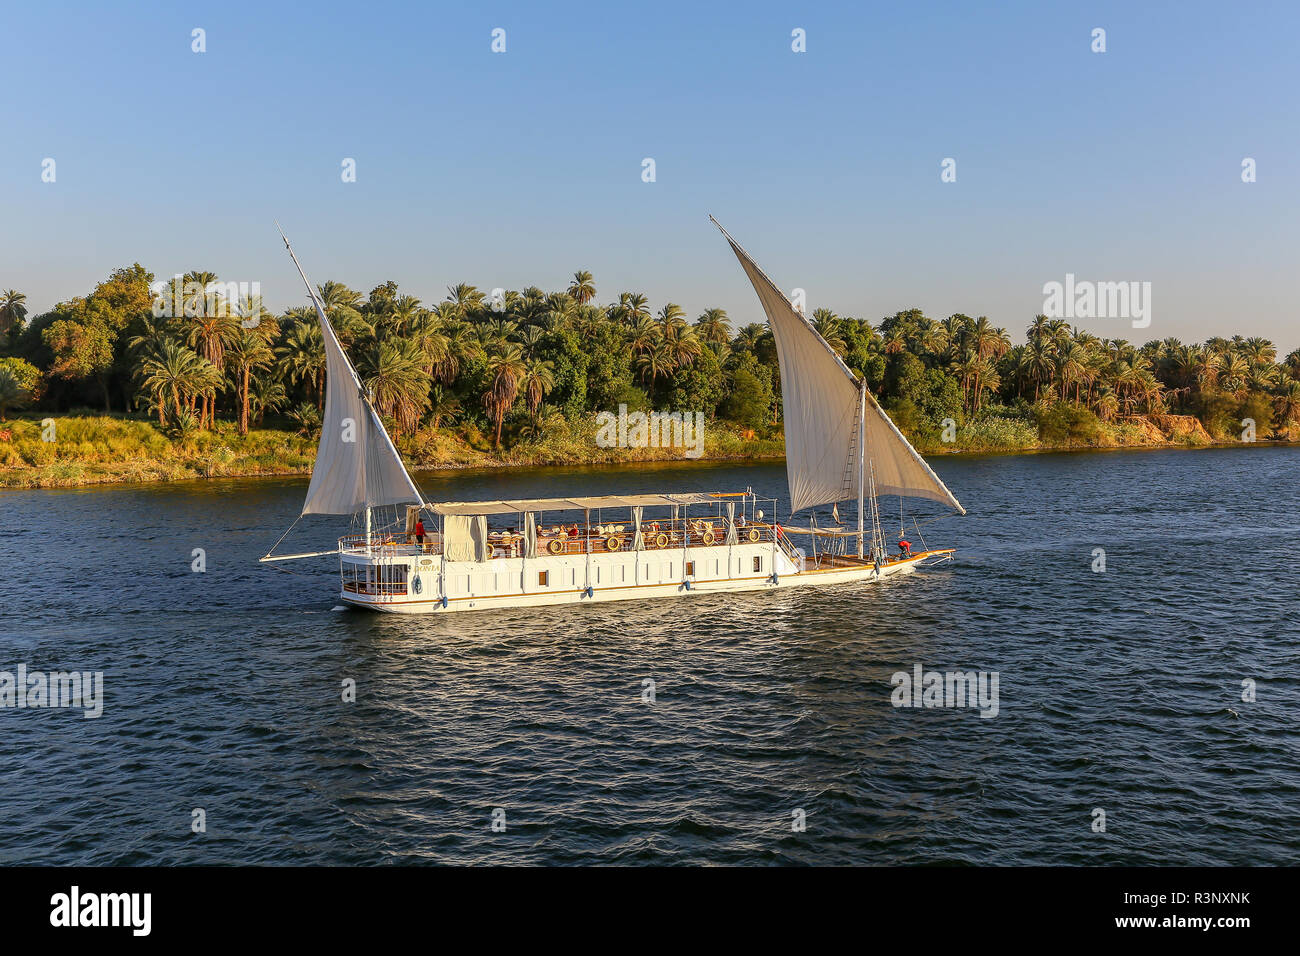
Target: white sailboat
{"type": "Point", "coordinates": [840, 446]}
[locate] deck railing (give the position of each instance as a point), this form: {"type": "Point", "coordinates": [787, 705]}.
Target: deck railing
{"type": "Point", "coordinates": [658, 536]}
{"type": "Point", "coordinates": [390, 545]}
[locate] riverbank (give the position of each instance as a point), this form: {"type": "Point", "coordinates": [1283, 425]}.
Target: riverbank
{"type": "Point", "coordinates": [90, 450]}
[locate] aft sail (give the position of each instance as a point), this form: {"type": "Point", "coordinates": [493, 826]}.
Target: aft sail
{"type": "Point", "coordinates": [823, 401]}
{"type": "Point", "coordinates": [357, 465]}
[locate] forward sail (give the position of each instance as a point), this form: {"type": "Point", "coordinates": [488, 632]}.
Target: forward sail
{"type": "Point", "coordinates": [357, 465]}
{"type": "Point", "coordinates": [822, 401]}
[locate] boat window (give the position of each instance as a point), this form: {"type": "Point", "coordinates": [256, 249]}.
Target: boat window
{"type": "Point", "coordinates": [758, 563]}
{"type": "Point", "coordinates": [544, 579]}
{"type": "Point", "coordinates": [690, 569]}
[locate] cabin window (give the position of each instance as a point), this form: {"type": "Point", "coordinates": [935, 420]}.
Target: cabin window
{"type": "Point", "coordinates": [690, 569]}
{"type": "Point", "coordinates": [392, 579]}
{"type": "Point", "coordinates": [758, 564]}
{"type": "Point", "coordinates": [543, 579]}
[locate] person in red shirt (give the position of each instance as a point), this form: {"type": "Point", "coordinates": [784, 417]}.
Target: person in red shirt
{"type": "Point", "coordinates": [419, 532]}
{"type": "Point", "coordinates": [904, 548]}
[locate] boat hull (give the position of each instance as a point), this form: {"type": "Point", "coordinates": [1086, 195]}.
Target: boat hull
{"type": "Point", "coordinates": [842, 571]}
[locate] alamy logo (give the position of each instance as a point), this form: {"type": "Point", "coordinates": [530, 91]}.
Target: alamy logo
{"type": "Point", "coordinates": [37, 689]}
{"type": "Point", "coordinates": [1084, 299]}
{"type": "Point", "coordinates": [946, 689]}
{"type": "Point", "coordinates": [656, 430]}
{"type": "Point", "coordinates": [176, 299]}
{"type": "Point", "coordinates": [74, 908]}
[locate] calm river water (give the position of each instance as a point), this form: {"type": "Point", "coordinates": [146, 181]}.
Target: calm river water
{"type": "Point", "coordinates": [1118, 691]}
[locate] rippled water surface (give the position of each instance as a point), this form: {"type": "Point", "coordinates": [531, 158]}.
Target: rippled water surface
{"type": "Point", "coordinates": [1119, 690]}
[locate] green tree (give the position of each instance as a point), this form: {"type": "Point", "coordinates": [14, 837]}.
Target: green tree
{"type": "Point", "coordinates": [13, 309]}
{"type": "Point", "coordinates": [247, 352]}
{"type": "Point", "coordinates": [12, 393]}
{"type": "Point", "coordinates": [392, 371]}
{"type": "Point", "coordinates": [751, 400]}
{"type": "Point", "coordinates": [505, 374]}
{"type": "Point", "coordinates": [82, 350]}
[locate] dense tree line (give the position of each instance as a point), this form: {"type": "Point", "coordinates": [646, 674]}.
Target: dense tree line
{"type": "Point", "coordinates": [490, 368]}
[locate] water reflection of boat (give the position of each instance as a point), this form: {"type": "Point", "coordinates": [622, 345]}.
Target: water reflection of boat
{"type": "Point", "coordinates": [840, 445]}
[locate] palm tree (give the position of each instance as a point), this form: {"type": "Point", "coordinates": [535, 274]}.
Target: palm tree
{"type": "Point", "coordinates": [672, 320]}
{"type": "Point", "coordinates": [267, 393]}
{"type": "Point", "coordinates": [442, 405]}
{"type": "Point", "coordinates": [1105, 406]}
{"type": "Point", "coordinates": [643, 339]}
{"type": "Point", "coordinates": [1070, 367]}
{"type": "Point", "coordinates": [175, 370]}
{"type": "Point", "coordinates": [986, 379]}
{"type": "Point", "coordinates": [308, 419]}
{"type": "Point", "coordinates": [13, 309]}
{"type": "Point", "coordinates": [530, 340]}
{"type": "Point", "coordinates": [1288, 399]}
{"type": "Point", "coordinates": [506, 371]}
{"type": "Point", "coordinates": [184, 425]}
{"type": "Point", "coordinates": [248, 351]}
{"type": "Point", "coordinates": [302, 357]}
{"type": "Point", "coordinates": [538, 379]}
{"type": "Point", "coordinates": [655, 363]}
{"type": "Point", "coordinates": [1042, 363]}
{"type": "Point", "coordinates": [747, 339]}
{"type": "Point", "coordinates": [467, 299]}
{"type": "Point", "coordinates": [685, 348]}
{"type": "Point", "coordinates": [632, 307]}
{"type": "Point", "coordinates": [582, 288]}
{"type": "Point", "coordinates": [1258, 351]}
{"type": "Point", "coordinates": [895, 340]}
{"type": "Point", "coordinates": [425, 330]}
{"type": "Point", "coordinates": [462, 346]}
{"type": "Point", "coordinates": [827, 324]}
{"type": "Point", "coordinates": [334, 295]}
{"type": "Point", "coordinates": [968, 368]}
{"type": "Point", "coordinates": [712, 327]}
{"type": "Point", "coordinates": [1038, 329]}
{"type": "Point", "coordinates": [1235, 374]}
{"type": "Point", "coordinates": [1209, 367]}
{"type": "Point", "coordinates": [558, 310]}
{"type": "Point", "coordinates": [210, 334]}
{"type": "Point", "coordinates": [194, 293]}
{"type": "Point", "coordinates": [393, 373]}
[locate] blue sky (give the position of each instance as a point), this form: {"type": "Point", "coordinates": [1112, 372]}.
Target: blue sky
{"type": "Point", "coordinates": [519, 168]}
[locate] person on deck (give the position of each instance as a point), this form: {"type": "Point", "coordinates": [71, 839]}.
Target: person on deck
{"type": "Point", "coordinates": [419, 532]}
{"type": "Point", "coordinates": [904, 548]}
{"type": "Point", "coordinates": [740, 522]}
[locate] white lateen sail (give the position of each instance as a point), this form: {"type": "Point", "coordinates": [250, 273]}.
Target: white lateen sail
{"type": "Point", "coordinates": [356, 466]}
{"type": "Point", "coordinates": [830, 443]}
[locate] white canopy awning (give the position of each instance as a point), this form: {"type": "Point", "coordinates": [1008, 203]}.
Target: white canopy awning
{"type": "Point", "coordinates": [524, 505]}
